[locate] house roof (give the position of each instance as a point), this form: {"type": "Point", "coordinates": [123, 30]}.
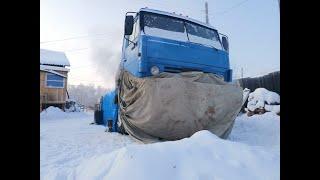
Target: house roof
{"type": "Point", "coordinates": [49, 57]}
{"type": "Point", "coordinates": [53, 72]}
{"type": "Point", "coordinates": [55, 68]}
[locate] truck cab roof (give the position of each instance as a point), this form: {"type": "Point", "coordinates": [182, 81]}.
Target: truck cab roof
{"type": "Point", "coordinates": [177, 16]}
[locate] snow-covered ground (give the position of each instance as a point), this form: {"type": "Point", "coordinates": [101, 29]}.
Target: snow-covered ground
{"type": "Point", "coordinates": [68, 138]}
{"type": "Point", "coordinates": [71, 148]}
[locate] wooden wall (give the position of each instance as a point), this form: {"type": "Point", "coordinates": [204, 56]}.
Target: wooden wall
{"type": "Point", "coordinates": [52, 95]}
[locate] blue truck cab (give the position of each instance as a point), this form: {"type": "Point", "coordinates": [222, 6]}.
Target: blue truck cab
{"type": "Point", "coordinates": [156, 41]}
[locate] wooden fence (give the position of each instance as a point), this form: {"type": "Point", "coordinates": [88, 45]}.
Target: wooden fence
{"type": "Point", "coordinates": [270, 81]}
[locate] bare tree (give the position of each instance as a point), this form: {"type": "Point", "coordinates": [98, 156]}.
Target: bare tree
{"type": "Point", "coordinates": [87, 95]}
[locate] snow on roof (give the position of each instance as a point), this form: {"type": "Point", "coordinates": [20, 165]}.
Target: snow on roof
{"type": "Point", "coordinates": [49, 57]}
{"type": "Point", "coordinates": [53, 72]}
{"type": "Point", "coordinates": [55, 68]}
{"type": "Point", "coordinates": [177, 16]}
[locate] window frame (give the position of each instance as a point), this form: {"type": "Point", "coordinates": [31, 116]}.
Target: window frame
{"type": "Point", "coordinates": [214, 30]}
{"type": "Point", "coordinates": [165, 16]}
{"type": "Point", "coordinates": [57, 87]}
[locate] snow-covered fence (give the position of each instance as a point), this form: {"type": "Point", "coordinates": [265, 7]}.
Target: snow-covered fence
{"type": "Point", "coordinates": [270, 82]}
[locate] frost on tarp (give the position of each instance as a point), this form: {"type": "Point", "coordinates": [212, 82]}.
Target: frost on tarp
{"type": "Point", "coordinates": [202, 156]}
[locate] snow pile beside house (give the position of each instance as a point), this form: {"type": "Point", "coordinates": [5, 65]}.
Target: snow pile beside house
{"type": "Point", "coordinates": [52, 113]}
{"type": "Point", "coordinates": [202, 156]}
{"type": "Point", "coordinates": [262, 100]}
{"type": "Point", "coordinates": [55, 113]}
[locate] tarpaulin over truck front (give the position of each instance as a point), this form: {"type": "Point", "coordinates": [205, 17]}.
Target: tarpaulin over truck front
{"type": "Point", "coordinates": [172, 106]}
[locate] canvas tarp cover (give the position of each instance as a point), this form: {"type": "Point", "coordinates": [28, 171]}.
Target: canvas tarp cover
{"type": "Point", "coordinates": [172, 106]}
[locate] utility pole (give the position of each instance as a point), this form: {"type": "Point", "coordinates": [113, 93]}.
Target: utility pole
{"type": "Point", "coordinates": [241, 73]}
{"type": "Point", "coordinates": [206, 9]}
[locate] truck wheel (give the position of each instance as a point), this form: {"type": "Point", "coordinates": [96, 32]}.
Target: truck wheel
{"type": "Point", "coordinates": [97, 117]}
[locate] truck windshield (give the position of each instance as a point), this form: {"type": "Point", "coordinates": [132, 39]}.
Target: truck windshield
{"type": "Point", "coordinates": [163, 26]}
{"type": "Point", "coordinates": [179, 29]}
{"type": "Point", "coordinates": [202, 35]}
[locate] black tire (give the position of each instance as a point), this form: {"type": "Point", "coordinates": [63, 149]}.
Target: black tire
{"type": "Point", "coordinates": [98, 117]}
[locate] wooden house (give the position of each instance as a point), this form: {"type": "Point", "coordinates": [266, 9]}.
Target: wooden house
{"type": "Point", "coordinates": [53, 79]}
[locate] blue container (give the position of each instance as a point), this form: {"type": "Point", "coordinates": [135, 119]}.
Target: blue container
{"type": "Point", "coordinates": [110, 110]}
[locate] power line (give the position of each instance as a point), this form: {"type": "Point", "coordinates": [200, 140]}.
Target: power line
{"type": "Point", "coordinates": [84, 80]}
{"type": "Point", "coordinates": [73, 50]}
{"type": "Point", "coordinates": [75, 37]}
{"type": "Point", "coordinates": [84, 66]}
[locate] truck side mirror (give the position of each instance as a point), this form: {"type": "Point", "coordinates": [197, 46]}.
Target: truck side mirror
{"type": "Point", "coordinates": [225, 43]}
{"type": "Point", "coordinates": [128, 26]}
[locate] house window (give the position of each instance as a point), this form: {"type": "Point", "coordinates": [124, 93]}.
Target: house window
{"type": "Point", "coordinates": [55, 81]}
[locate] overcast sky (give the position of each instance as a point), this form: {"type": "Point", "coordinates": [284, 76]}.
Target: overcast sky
{"type": "Point", "coordinates": [253, 28]}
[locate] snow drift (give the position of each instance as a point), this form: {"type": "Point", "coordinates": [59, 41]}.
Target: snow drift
{"type": "Point", "coordinates": [202, 156]}
{"type": "Point", "coordinates": [52, 113]}
{"type": "Point", "coordinates": [258, 130]}
{"type": "Point", "coordinates": [72, 149]}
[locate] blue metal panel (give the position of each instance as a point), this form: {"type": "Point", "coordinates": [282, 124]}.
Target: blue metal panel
{"type": "Point", "coordinates": [172, 56]}
{"type": "Point", "coordinates": [176, 51]}
{"type": "Point", "coordinates": [110, 110]}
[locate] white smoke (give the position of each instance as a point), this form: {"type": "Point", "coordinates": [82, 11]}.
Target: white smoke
{"type": "Point", "coordinates": [106, 54]}
{"type": "Point", "coordinates": [87, 95]}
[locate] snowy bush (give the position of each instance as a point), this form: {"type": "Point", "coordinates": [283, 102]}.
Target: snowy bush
{"type": "Point", "coordinates": [73, 106]}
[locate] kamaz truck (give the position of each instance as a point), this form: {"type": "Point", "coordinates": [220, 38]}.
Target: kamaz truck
{"type": "Point", "coordinates": [156, 42]}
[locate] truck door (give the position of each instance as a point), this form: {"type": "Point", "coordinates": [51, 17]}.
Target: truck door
{"type": "Point", "coordinates": [130, 55]}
